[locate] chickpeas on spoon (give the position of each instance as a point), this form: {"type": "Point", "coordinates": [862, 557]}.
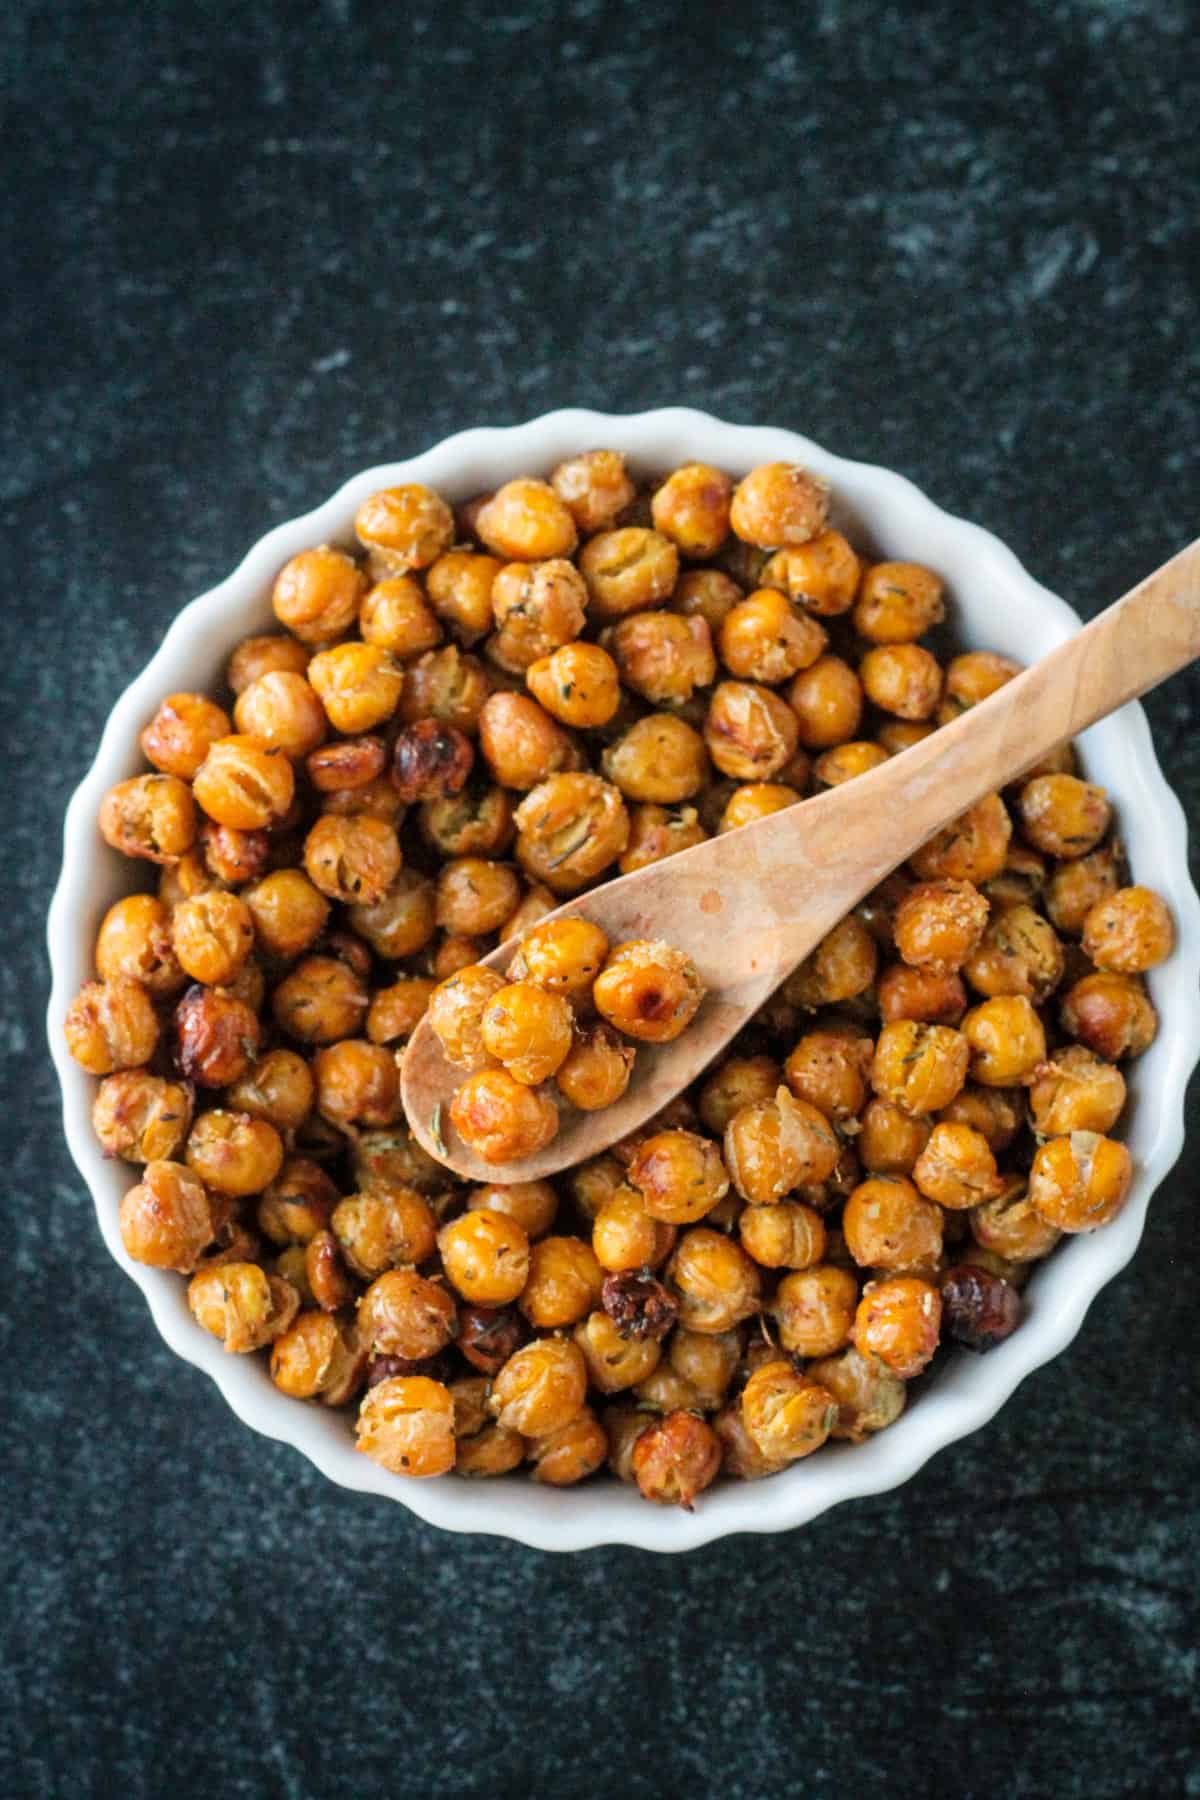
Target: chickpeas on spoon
{"type": "Point", "coordinates": [748, 906]}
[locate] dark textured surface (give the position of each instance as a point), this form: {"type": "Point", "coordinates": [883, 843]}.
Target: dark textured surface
{"type": "Point", "coordinates": [253, 249]}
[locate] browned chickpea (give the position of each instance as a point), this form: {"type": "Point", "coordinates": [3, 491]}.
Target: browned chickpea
{"type": "Point", "coordinates": [841, 967]}
{"type": "Point", "coordinates": [868, 1396]}
{"type": "Point", "coordinates": [445, 684]}
{"type": "Point", "coordinates": [393, 1158]}
{"type": "Point", "coordinates": [538, 608]}
{"type": "Point", "coordinates": [533, 1204]}
{"type": "Point", "coordinates": [766, 638]}
{"type": "Point", "coordinates": [486, 1256]}
{"type": "Point", "coordinates": [475, 895]}
{"type": "Point", "coordinates": [111, 1025]}
{"type": "Point", "coordinates": [972, 848]}
{"type": "Point", "coordinates": [500, 1119]}
{"type": "Point", "coordinates": [1129, 931]}
{"type": "Point", "coordinates": [572, 1453]}
{"type": "Point", "coordinates": [140, 1117]}
{"type": "Point", "coordinates": [957, 1167]}
{"type": "Point", "coordinates": [594, 487]}
{"type": "Point", "coordinates": [403, 528]}
{"type": "Point", "coordinates": [242, 1305]}
{"type": "Point", "coordinates": [167, 1220]}
{"type": "Point", "coordinates": [660, 759]}
{"type": "Point", "coordinates": [755, 800]}
{"type": "Point", "coordinates": [887, 1224]}
{"type": "Point", "coordinates": [776, 1145]}
{"type": "Point", "coordinates": [938, 924]}
{"type": "Point", "coordinates": [212, 936]}
{"type": "Point", "coordinates": [898, 603]}
{"type": "Point", "coordinates": [564, 1282]}
{"type": "Point", "coordinates": [316, 596]}
{"type": "Point", "coordinates": [1074, 888]}
{"type": "Point", "coordinates": [474, 822]}
{"type": "Point", "coordinates": [662, 656]}
{"type": "Point", "coordinates": [903, 679]}
{"type": "Point", "coordinates": [638, 1305]}
{"type": "Point", "coordinates": [973, 678]}
{"type": "Point", "coordinates": [245, 784]}
{"type": "Point", "coordinates": [521, 743]}
{"type": "Point", "coordinates": [1019, 953]}
{"type": "Point", "coordinates": [1080, 1182]}
{"type": "Point", "coordinates": [259, 656]}
{"type": "Point", "coordinates": [656, 833]}
{"type": "Point", "coordinates": [182, 731]}
{"type": "Point", "coordinates": [919, 1067]}
{"type": "Point", "coordinates": [319, 1001]}
{"type": "Point", "coordinates": [358, 685]}
{"type": "Point", "coordinates": [749, 731]}
{"type": "Point", "coordinates": [528, 1030]}
{"type": "Point", "coordinates": [181, 880]}
{"type": "Point", "coordinates": [354, 860]}
{"type": "Point", "coordinates": [1111, 1014]}
{"type": "Point", "coordinates": [907, 993]}
{"type": "Point", "coordinates": [487, 1336]}
{"type": "Point", "coordinates": [217, 1037]}
{"type": "Point", "coordinates": [402, 921]}
{"type": "Point", "coordinates": [679, 1176]}
{"type": "Point", "coordinates": [676, 1459]}
{"type": "Point", "coordinates": [282, 712]}
{"type": "Point", "coordinates": [541, 1387]}
{"type": "Point", "coordinates": [232, 856]}
{"type": "Point", "coordinates": [628, 571]}
{"type": "Point", "coordinates": [525, 521]}
{"type": "Point", "coordinates": [706, 594]}
{"type": "Point", "coordinates": [134, 941]}
{"type": "Point", "coordinates": [357, 1083]}
{"type": "Point", "coordinates": [846, 762]}
{"type": "Point", "coordinates": [459, 586]}
{"type": "Point", "coordinates": [406, 1424]}
{"type": "Point", "coordinates": [779, 504]}
{"type": "Point", "coordinates": [563, 956]}
{"type": "Point", "coordinates": [649, 990]}
{"type": "Point", "coordinates": [706, 1361]}
{"type": "Point", "coordinates": [614, 1361]}
{"type": "Point", "coordinates": [787, 1236]}
{"type": "Point", "coordinates": [570, 829]}
{"type": "Point", "coordinates": [1006, 1039]}
{"type": "Point", "coordinates": [1010, 1226]}
{"type": "Point", "coordinates": [899, 1321]}
{"type": "Point", "coordinates": [150, 817]}
{"type": "Point", "coordinates": [297, 1203]}
{"type": "Point", "coordinates": [827, 702]}
{"type": "Point", "coordinates": [378, 1231]}
{"type": "Point", "coordinates": [786, 1415]}
{"type": "Point", "coordinates": [716, 1283]}
{"type": "Point", "coordinates": [403, 1314]}
{"type": "Point", "coordinates": [740, 1455]}
{"type": "Point", "coordinates": [456, 1009]}
{"type": "Point", "coordinates": [396, 619]}
{"type": "Point", "coordinates": [287, 912]}
{"type": "Point", "coordinates": [233, 1153]}
{"type": "Point", "coordinates": [814, 1310]}
{"type": "Point", "coordinates": [1074, 1091]}
{"type": "Point", "coordinates": [596, 1069]}
{"type": "Point", "coordinates": [896, 735]}
{"type": "Point", "coordinates": [396, 1011]}
{"type": "Point", "coordinates": [307, 1357]}
{"type": "Point", "coordinates": [577, 683]}
{"type": "Point", "coordinates": [1063, 816]}
{"type": "Point", "coordinates": [821, 575]}
{"type": "Point", "coordinates": [996, 1113]}
{"type": "Point", "coordinates": [625, 1237]}
{"type": "Point", "coordinates": [692, 509]}
{"type": "Point", "coordinates": [889, 1139]}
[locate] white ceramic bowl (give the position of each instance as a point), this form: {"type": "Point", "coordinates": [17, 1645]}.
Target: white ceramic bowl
{"type": "Point", "coordinates": [996, 606]}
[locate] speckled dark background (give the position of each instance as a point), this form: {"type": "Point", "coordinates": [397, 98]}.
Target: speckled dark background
{"type": "Point", "coordinates": [251, 249]}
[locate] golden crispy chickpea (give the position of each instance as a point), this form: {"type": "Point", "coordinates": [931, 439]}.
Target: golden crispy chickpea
{"type": "Point", "coordinates": [182, 731]}
{"type": "Point", "coordinates": [596, 1069]}
{"type": "Point", "coordinates": [774, 1146]}
{"type": "Point", "coordinates": [134, 941]}
{"type": "Point", "coordinates": [766, 638]}
{"type": "Point", "coordinates": [676, 1459]}
{"type": "Point", "coordinates": [255, 657]}
{"type": "Point", "coordinates": [486, 1256]}
{"type": "Point", "coordinates": [868, 1396]}
{"type": "Point", "coordinates": [563, 956]}
{"type": "Point", "coordinates": [282, 712]}
{"type": "Point", "coordinates": [957, 1168]}
{"type": "Point", "coordinates": [1074, 888]}
{"type": "Point", "coordinates": [660, 759]}
{"type": "Point", "coordinates": [1129, 931]}
{"type": "Point", "coordinates": [821, 575]}
{"type": "Point", "coordinates": [541, 1387]}
{"type": "Point", "coordinates": [692, 509]}
{"type": "Point", "coordinates": [679, 1176]}
{"type": "Point", "coordinates": [245, 784]}
{"type": "Point", "coordinates": [1063, 816]}
{"type": "Point", "coordinates": [140, 1117]}
{"type": "Point", "coordinates": [533, 1204]}
{"type": "Point", "coordinates": [841, 967]}
{"type": "Point", "coordinates": [749, 731]}
{"type": "Point", "coordinates": [899, 1321]}
{"type": "Point", "coordinates": [392, 1158]}
{"type": "Point", "coordinates": [500, 1119]}
{"type": "Point", "coordinates": [456, 1009]}
{"type": "Point", "coordinates": [973, 678]}
{"type": "Point", "coordinates": [306, 1356]}
{"type": "Point", "coordinates": [402, 921]}
{"type": "Point", "coordinates": [570, 829]}
{"type": "Point", "coordinates": [846, 762]}
{"type": "Point", "coordinates": [403, 528]}
{"type": "Point", "coordinates": [740, 1455]}
{"type": "Point", "coordinates": [216, 1037]}
{"type": "Point", "coordinates": [320, 1001]}
{"type": "Point", "coordinates": [476, 821]}
{"type": "Point", "coordinates": [459, 586]}
{"type": "Point", "coordinates": [1019, 953]}
{"type": "Point", "coordinates": [889, 1139]}
{"type": "Point", "coordinates": [287, 912]}
{"type": "Point", "coordinates": [716, 1283]}
{"type": "Point", "coordinates": [594, 487]}
{"type": "Point", "coordinates": [1021, 880]}
{"type": "Point", "coordinates": [903, 992]}
{"type": "Point", "coordinates": [358, 685]}
{"type": "Point", "coordinates": [1007, 1041]}
{"type": "Point", "coordinates": [898, 603]}
{"type": "Point", "coordinates": [538, 608]}
{"type": "Point", "coordinates": [232, 856]}
{"type": "Point", "coordinates": [234, 1154]}
{"type": "Point", "coordinates": [570, 1454]}
{"type": "Point", "coordinates": [896, 735]}
{"type": "Point", "coordinates": [396, 1011]}
{"type": "Point", "coordinates": [755, 800]}
{"type": "Point", "coordinates": [380, 1230]}
{"type": "Point", "coordinates": [830, 1070]}
{"type": "Point", "coordinates": [528, 1030]}
{"type": "Point", "coordinates": [403, 1314]}
{"type": "Point", "coordinates": [919, 1067]}
{"type": "Point", "coordinates": [786, 1415]}
{"type": "Point", "coordinates": [167, 1221]}
{"type": "Point", "coordinates": [354, 860]}
{"type": "Point", "coordinates": [662, 656]}
{"type": "Point", "coordinates": [649, 990]}
{"type": "Point", "coordinates": [297, 1203]}
{"type": "Point", "coordinates": [212, 935]}
{"type": "Point", "coordinates": [475, 895]}
{"type": "Point", "coordinates": [521, 743]}
{"type": "Point", "coordinates": [1080, 1182]}
{"type": "Point", "coordinates": [938, 924]}
{"type": "Point", "coordinates": [181, 880]}
{"type": "Point", "coordinates": [628, 571]}
{"type": "Point", "coordinates": [448, 685]}
{"type": "Point", "coordinates": [316, 595]}
{"type": "Point", "coordinates": [525, 521]}
{"type": "Point", "coordinates": [827, 702]}
{"type": "Point", "coordinates": [242, 1305]}
{"type": "Point", "coordinates": [614, 1362]}
{"type": "Point", "coordinates": [357, 1083]}
{"type": "Point", "coordinates": [902, 679]}
{"type": "Point", "coordinates": [563, 1284]}
{"type": "Point", "coordinates": [455, 953]}
{"type": "Point", "coordinates": [396, 619]}
{"type": "Point", "coordinates": [814, 1310]}
{"type": "Point", "coordinates": [406, 1425]}
{"type": "Point", "coordinates": [1111, 1014]}
{"type": "Point", "coordinates": [150, 817]}
{"type": "Point", "coordinates": [997, 1114]}
{"type": "Point", "coordinates": [778, 505]}
{"type": "Point", "coordinates": [625, 1237]}
{"type": "Point", "coordinates": [1011, 1227]}
{"type": "Point", "coordinates": [787, 1236]}
{"type": "Point", "coordinates": [972, 847]}
{"type": "Point", "coordinates": [706, 1361]}
{"type": "Point", "coordinates": [656, 832]}
{"type": "Point", "coordinates": [738, 1082]}
{"type": "Point", "coordinates": [577, 683]}
{"type": "Point", "coordinates": [707, 594]}
{"type": "Point", "coordinates": [1074, 1091]}
{"type": "Point", "coordinates": [887, 1224]}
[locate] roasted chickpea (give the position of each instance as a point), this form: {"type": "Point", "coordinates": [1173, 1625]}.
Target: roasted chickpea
{"type": "Point", "coordinates": [401, 921]}
{"type": "Point", "coordinates": [787, 1236]}
{"type": "Point", "coordinates": [167, 1220]}
{"type": "Point", "coordinates": [150, 817]}
{"type": "Point", "coordinates": [706, 594]}
{"type": "Point", "coordinates": [374, 799]}
{"type": "Point", "coordinates": [393, 1158]}
{"type": "Point", "coordinates": [716, 1283]}
{"type": "Point", "coordinates": [455, 953]}
{"type": "Point", "coordinates": [181, 733]}
{"type": "Point", "coordinates": [316, 595]}
{"type": "Point", "coordinates": [779, 504]}
{"type": "Point", "coordinates": [749, 731]}
{"type": "Point", "coordinates": [755, 800]}
{"type": "Point", "coordinates": [541, 1387]}
{"type": "Point", "coordinates": [403, 528]}
{"type": "Point", "coordinates": [319, 1001]}
{"type": "Point", "coordinates": [1019, 953]}
{"type": "Point", "coordinates": [245, 784]}
{"type": "Point", "coordinates": [395, 618]}
{"type": "Point", "coordinates": [474, 822]}
{"type": "Point", "coordinates": [577, 683]}
{"type": "Point", "coordinates": [403, 1314]}
{"type": "Point", "coordinates": [528, 1030]}
{"type": "Point", "coordinates": [1111, 1014]}
{"type": "Point", "coordinates": [740, 1081]}
{"type": "Point", "coordinates": [898, 603]}
{"type": "Point", "coordinates": [786, 1414]}
{"type": "Point", "coordinates": [899, 1321]}
{"type": "Point", "coordinates": [448, 685]}
{"type": "Point", "coordinates": [1080, 1182]}
{"type": "Point", "coordinates": [896, 735]}
{"type": "Point", "coordinates": [660, 759]}
{"type": "Point", "coordinates": [233, 1153]}
{"type": "Point", "coordinates": [972, 847]}
{"type": "Point", "coordinates": [212, 936]}
{"type": "Point", "coordinates": [846, 762]}
{"type": "Point", "coordinates": [354, 860]}
{"type": "Point", "coordinates": [706, 1361]}
{"type": "Point", "coordinates": [525, 521]}
{"type": "Point", "coordinates": [1010, 1226]}
{"type": "Point", "coordinates": [358, 1083]}
{"type": "Point", "coordinates": [614, 1361]}
{"type": "Point", "coordinates": [242, 1305]}
{"type": "Point", "coordinates": [181, 880]}
{"type": "Point", "coordinates": [475, 895]}
{"type": "Point", "coordinates": [1074, 888]}
{"type": "Point", "coordinates": [255, 657]}
{"type": "Point", "coordinates": [766, 638]}
{"type": "Point", "coordinates": [656, 833]}
{"type": "Point", "coordinates": [538, 608]}
{"type": "Point", "coordinates": [1006, 1039]}
{"type": "Point", "coordinates": [396, 1011]}
{"type": "Point", "coordinates": [996, 1113]}
{"type": "Point", "coordinates": [814, 1310]}
{"type": "Point", "coordinates": [217, 1037]}
{"type": "Point", "coordinates": [231, 856]}
{"type": "Point", "coordinates": [841, 967]}
{"type": "Point", "coordinates": [889, 1139]}
{"type": "Point", "coordinates": [627, 571]}
{"type": "Point", "coordinates": [532, 1204]}
{"type": "Point", "coordinates": [594, 1183]}
{"type": "Point", "coordinates": [919, 1067]}
{"type": "Point", "coordinates": [662, 656]}
{"type": "Point", "coordinates": [1074, 1091]}
{"type": "Point", "coordinates": [679, 1176]}
{"type": "Point", "coordinates": [286, 911]}
{"type": "Point", "coordinates": [957, 1167]}
{"type": "Point", "coordinates": [676, 1459]}
{"type": "Point", "coordinates": [134, 942]}
{"type": "Point", "coordinates": [625, 1237]}
{"type": "Point", "coordinates": [649, 990]}
{"type": "Point", "coordinates": [907, 993]}
{"type": "Point", "coordinates": [1063, 816]}
{"type": "Point", "coordinates": [297, 1203]}
{"type": "Point", "coordinates": [572, 1453]}
{"type": "Point", "coordinates": [1129, 932]}
{"type": "Point", "coordinates": [500, 1119]}
{"type": "Point", "coordinates": [380, 1230]}
{"type": "Point", "coordinates": [826, 700]}
{"type": "Point", "coordinates": [740, 1455]}
{"type": "Point", "coordinates": [487, 1336]}
{"type": "Point", "coordinates": [979, 1307]}
{"type": "Point", "coordinates": [406, 1424]}
{"type": "Point", "coordinates": [902, 679]}
{"type": "Point", "coordinates": [821, 575]}
{"type": "Point", "coordinates": [570, 829]}
{"type": "Point", "coordinates": [563, 956]}
{"type": "Point", "coordinates": [358, 685]}
{"type": "Point", "coordinates": [692, 509]}
{"type": "Point", "coordinates": [594, 487]}
{"type": "Point", "coordinates": [596, 1069]}
{"type": "Point", "coordinates": [521, 743]}
{"type": "Point", "coordinates": [830, 1070]}
{"type": "Point", "coordinates": [486, 1256]}
{"type": "Point", "coordinates": [140, 1117]}
{"type": "Point", "coordinates": [867, 1395]}
{"type": "Point", "coordinates": [456, 1009]}
{"type": "Point", "coordinates": [776, 1145]}
{"type": "Point", "coordinates": [973, 678]}
{"type": "Point", "coordinates": [308, 1355]}
{"type": "Point", "coordinates": [887, 1224]}
{"type": "Point", "coordinates": [281, 711]}
{"type": "Point", "coordinates": [459, 586]}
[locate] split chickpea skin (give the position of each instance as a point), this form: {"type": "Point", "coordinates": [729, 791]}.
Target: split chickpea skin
{"type": "Point", "coordinates": [466, 716]}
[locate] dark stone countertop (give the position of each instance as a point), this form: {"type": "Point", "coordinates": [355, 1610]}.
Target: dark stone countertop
{"type": "Point", "coordinates": [251, 250]}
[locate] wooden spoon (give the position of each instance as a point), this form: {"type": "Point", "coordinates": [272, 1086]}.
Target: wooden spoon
{"type": "Point", "coordinates": [748, 906]}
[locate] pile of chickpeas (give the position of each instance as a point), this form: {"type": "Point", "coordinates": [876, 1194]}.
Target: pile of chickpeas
{"type": "Point", "coordinates": [463, 720]}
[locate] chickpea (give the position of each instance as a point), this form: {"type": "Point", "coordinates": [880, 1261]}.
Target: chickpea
{"type": "Point", "coordinates": [476, 821]}
{"type": "Point", "coordinates": [628, 571]}
{"type": "Point", "coordinates": [692, 509]}
{"type": "Point", "coordinates": [662, 656]}
{"type": "Point", "coordinates": [889, 1225]}
{"type": "Point", "coordinates": [319, 1001]}
{"type": "Point", "coordinates": [786, 1415]}
{"type": "Point", "coordinates": [957, 1167]}
{"type": "Point", "coordinates": [972, 847]}
{"type": "Point", "coordinates": [525, 521]}
{"type": "Point", "coordinates": [997, 1114]}
{"type": "Point", "coordinates": [766, 638]}
{"type": "Point", "coordinates": [1080, 1182]}
{"type": "Point", "coordinates": [455, 953]}
{"type": "Point", "coordinates": [486, 1256]}
{"type": "Point", "coordinates": [180, 734]}
{"type": "Point", "coordinates": [787, 1236]}
{"type": "Point", "coordinates": [1019, 954]}
{"type": "Point", "coordinates": [596, 1069]}
{"type": "Point", "coordinates": [841, 967]}
{"type": "Point", "coordinates": [740, 1081]}
{"type": "Point", "coordinates": [570, 829]}
{"type": "Point", "coordinates": [740, 1455]}
{"type": "Point", "coordinates": [899, 1321]}
{"type": "Point", "coordinates": [140, 1117]}
{"type": "Point", "coordinates": [868, 1396]}
{"type": "Point", "coordinates": [572, 1453]}
{"type": "Point", "coordinates": [821, 575]}
{"type": "Point", "coordinates": [281, 712]}
{"type": "Point", "coordinates": [973, 678]}
{"type": "Point", "coordinates": [716, 1283]}
{"type": "Point", "coordinates": [358, 684]}
{"type": "Point", "coordinates": [233, 1153]}
{"type": "Point", "coordinates": [594, 487]}
{"type": "Point", "coordinates": [354, 860]}
{"type": "Point", "coordinates": [624, 1235]}
{"type": "Point", "coordinates": [1010, 1226]}
{"type": "Point", "coordinates": [297, 1203]}
{"type": "Point", "coordinates": [776, 1145]}
{"type": "Point", "coordinates": [475, 895]}
{"type": "Point", "coordinates": [890, 1139]}
{"type": "Point", "coordinates": [447, 685]}
{"type": "Point", "coordinates": [459, 585]}
{"type": "Point", "coordinates": [1063, 816]}
{"type": "Point", "coordinates": [134, 942]}
{"type": "Point", "coordinates": [846, 762]}
{"type": "Point", "coordinates": [402, 921]}
{"type": "Point", "coordinates": [309, 1355]}
{"type": "Point", "coordinates": [660, 760]}
{"type": "Point", "coordinates": [778, 505]}
{"type": "Point", "coordinates": [755, 800]}
{"type": "Point", "coordinates": [1074, 888]}
{"type": "Point", "coordinates": [615, 1361]}
{"type": "Point", "coordinates": [181, 880]}
{"type": "Point", "coordinates": [357, 1083]}
{"type": "Point", "coordinates": [1129, 932]}
{"type": "Point", "coordinates": [1075, 1091]}
{"type": "Point", "coordinates": [1007, 1041]}
{"type": "Point", "coordinates": [255, 657]}
{"type": "Point", "coordinates": [396, 1011]}
{"type": "Point", "coordinates": [212, 936]}
{"type": "Point", "coordinates": [396, 619]}
{"type": "Point", "coordinates": [919, 1067]}
{"type": "Point", "coordinates": [217, 1037]}
{"type": "Point", "coordinates": [381, 1230]}
{"type": "Point", "coordinates": [231, 856]}
{"type": "Point", "coordinates": [531, 1204]}
{"type": "Point", "coordinates": [403, 1314]}
{"type": "Point", "coordinates": [706, 1361]}
{"type": "Point", "coordinates": [896, 735]}
{"type": "Point", "coordinates": [902, 679]}
{"type": "Point", "coordinates": [374, 799]}
{"type": "Point", "coordinates": [406, 1425]}
{"type": "Point", "coordinates": [456, 1010]}
{"type": "Point", "coordinates": [392, 1158]}
{"type": "Point", "coordinates": [656, 833]}
{"type": "Point", "coordinates": [649, 990]}
{"type": "Point", "coordinates": [907, 993]}
{"type": "Point", "coordinates": [403, 528]}
{"type": "Point", "coordinates": [706, 594]}
{"type": "Point", "coordinates": [979, 1308]}
{"type": "Point", "coordinates": [939, 923]}
{"type": "Point", "coordinates": [749, 731]}
{"type": "Point", "coordinates": [167, 1220]}
{"type": "Point", "coordinates": [500, 1119]}
{"type": "Point", "coordinates": [898, 603]}
{"type": "Point", "coordinates": [679, 1176]}
{"type": "Point", "coordinates": [1021, 880]}
{"type": "Point", "coordinates": [827, 702]}
{"type": "Point", "coordinates": [528, 1030]}
{"type": "Point", "coordinates": [150, 817]}
{"type": "Point", "coordinates": [830, 1070]}
{"type": "Point", "coordinates": [563, 956]}
{"type": "Point", "coordinates": [242, 1305]}
{"type": "Point", "coordinates": [814, 1310]}
{"type": "Point", "coordinates": [488, 1336]}
{"type": "Point", "coordinates": [316, 595]}
{"type": "Point", "coordinates": [538, 608]}
{"type": "Point", "coordinates": [286, 911]}
{"type": "Point", "coordinates": [521, 743]}
{"type": "Point", "coordinates": [245, 784]}
{"type": "Point", "coordinates": [1111, 1014]}
{"type": "Point", "coordinates": [676, 1459]}
{"type": "Point", "coordinates": [541, 1387]}
{"type": "Point", "coordinates": [577, 683]}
